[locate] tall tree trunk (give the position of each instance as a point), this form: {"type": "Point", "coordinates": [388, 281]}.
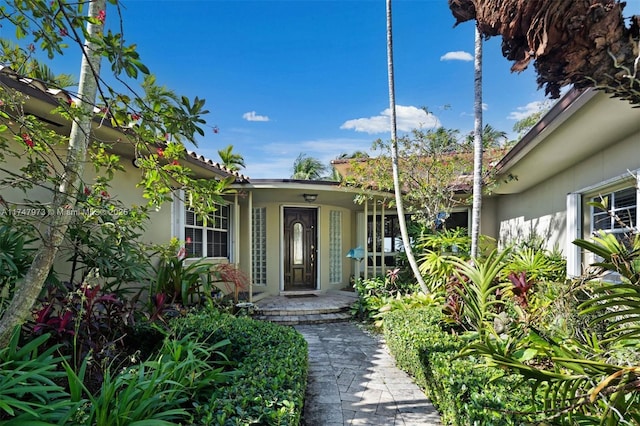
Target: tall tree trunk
{"type": "Point", "coordinates": [394, 156]}
{"type": "Point", "coordinates": [64, 198]}
{"type": "Point", "coordinates": [477, 146]}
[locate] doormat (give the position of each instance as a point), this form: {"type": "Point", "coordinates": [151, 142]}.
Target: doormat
{"type": "Point", "coordinates": [298, 296]}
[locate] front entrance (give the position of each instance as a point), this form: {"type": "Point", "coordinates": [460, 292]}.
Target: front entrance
{"type": "Point", "coordinates": [300, 248]}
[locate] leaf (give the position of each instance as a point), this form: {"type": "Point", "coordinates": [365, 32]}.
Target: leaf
{"type": "Point", "coordinates": [524, 355]}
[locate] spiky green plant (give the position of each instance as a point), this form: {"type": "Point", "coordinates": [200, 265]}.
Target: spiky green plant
{"type": "Point", "coordinates": [584, 378]}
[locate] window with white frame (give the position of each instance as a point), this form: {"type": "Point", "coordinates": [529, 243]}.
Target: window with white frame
{"type": "Point", "coordinates": [619, 215]}
{"type": "Point", "coordinates": [207, 238]}
{"type": "Point", "coordinates": [388, 239]}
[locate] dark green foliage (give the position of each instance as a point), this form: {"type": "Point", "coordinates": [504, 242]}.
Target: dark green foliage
{"type": "Point", "coordinates": [15, 259]}
{"type": "Point", "coordinates": [464, 390]}
{"type": "Point", "coordinates": [30, 384]}
{"type": "Point", "coordinates": [271, 363]}
{"type": "Point", "coordinates": [376, 292]}
{"type": "Point", "coordinates": [161, 391]}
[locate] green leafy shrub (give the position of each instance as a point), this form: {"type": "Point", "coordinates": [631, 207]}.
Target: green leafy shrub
{"type": "Point", "coordinates": [405, 302]}
{"type": "Point", "coordinates": [15, 259]}
{"type": "Point", "coordinates": [83, 320]}
{"type": "Point", "coordinates": [178, 278]}
{"type": "Point", "coordinates": [105, 236]}
{"type": "Point", "coordinates": [162, 390]}
{"type": "Point", "coordinates": [434, 249]}
{"type": "Point", "coordinates": [271, 364]}
{"type": "Point", "coordinates": [30, 389]}
{"type": "Point", "coordinates": [465, 391]}
{"type": "Point", "coordinates": [376, 292]}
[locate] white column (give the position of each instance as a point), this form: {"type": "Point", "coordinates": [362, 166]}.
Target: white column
{"type": "Point", "coordinates": [366, 248]}
{"type": "Point", "coordinates": [573, 232]}
{"type": "Point", "coordinates": [374, 262]}
{"type": "Point", "coordinates": [250, 251]}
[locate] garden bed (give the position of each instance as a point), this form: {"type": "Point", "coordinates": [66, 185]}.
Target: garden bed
{"type": "Point", "coordinates": [465, 391]}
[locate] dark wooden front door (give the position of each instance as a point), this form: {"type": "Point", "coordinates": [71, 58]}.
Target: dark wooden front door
{"type": "Point", "coordinates": [300, 248]}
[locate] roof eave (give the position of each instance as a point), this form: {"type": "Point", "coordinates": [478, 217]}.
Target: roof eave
{"type": "Point", "coordinates": [558, 114]}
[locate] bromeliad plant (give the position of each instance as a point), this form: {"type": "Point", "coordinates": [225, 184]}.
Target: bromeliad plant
{"type": "Point", "coordinates": [585, 377]}
{"type": "Point", "coordinates": [479, 289]}
{"type": "Point", "coordinates": [179, 278]}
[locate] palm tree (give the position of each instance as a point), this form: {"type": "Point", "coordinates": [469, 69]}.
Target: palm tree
{"type": "Point", "coordinates": [22, 63]}
{"type": "Point", "coordinates": [307, 168]}
{"type": "Point", "coordinates": [477, 147]}
{"type": "Point", "coordinates": [394, 157]}
{"type": "Point", "coordinates": [491, 137]}
{"type": "Point", "coordinates": [230, 159]}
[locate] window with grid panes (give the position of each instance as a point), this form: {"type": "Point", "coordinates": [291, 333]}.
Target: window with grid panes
{"type": "Point", "coordinates": [621, 214]}
{"type": "Point", "coordinates": [208, 238]}
{"type": "Point", "coordinates": [620, 219]}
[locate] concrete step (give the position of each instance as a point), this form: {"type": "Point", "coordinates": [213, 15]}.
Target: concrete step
{"type": "Point", "coordinates": [304, 317]}
{"type": "Point", "coordinates": [293, 309]}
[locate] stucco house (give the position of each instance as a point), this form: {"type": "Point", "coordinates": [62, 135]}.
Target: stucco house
{"type": "Point", "coordinates": [293, 236]}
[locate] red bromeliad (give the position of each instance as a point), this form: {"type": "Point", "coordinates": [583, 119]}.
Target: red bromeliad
{"type": "Point", "coordinates": [521, 286]}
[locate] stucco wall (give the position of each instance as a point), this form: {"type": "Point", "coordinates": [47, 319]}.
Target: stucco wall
{"type": "Point", "coordinates": [123, 188]}
{"type": "Point", "coordinates": [274, 211]}
{"type": "Point", "coordinates": [541, 210]}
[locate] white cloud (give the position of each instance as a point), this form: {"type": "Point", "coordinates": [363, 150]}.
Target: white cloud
{"type": "Point", "coordinates": [252, 116]}
{"type": "Point", "coordinates": [458, 55]}
{"type": "Point", "coordinates": [526, 111]}
{"type": "Point", "coordinates": [408, 118]}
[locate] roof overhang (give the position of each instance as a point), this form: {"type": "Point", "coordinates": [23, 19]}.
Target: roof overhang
{"type": "Point", "coordinates": [41, 100]}
{"type": "Point", "coordinates": [579, 125]}
{"type": "Point", "coordinates": [292, 191]}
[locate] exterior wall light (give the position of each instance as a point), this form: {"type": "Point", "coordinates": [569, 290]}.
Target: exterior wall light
{"type": "Point", "coordinates": [310, 198]}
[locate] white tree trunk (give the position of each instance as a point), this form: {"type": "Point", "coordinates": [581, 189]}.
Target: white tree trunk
{"type": "Point", "coordinates": [394, 156]}
{"type": "Point", "coordinates": [477, 147]}
{"type": "Point", "coordinates": [64, 198]}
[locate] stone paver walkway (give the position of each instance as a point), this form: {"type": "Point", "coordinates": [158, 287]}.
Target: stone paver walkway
{"type": "Point", "coordinates": [353, 380]}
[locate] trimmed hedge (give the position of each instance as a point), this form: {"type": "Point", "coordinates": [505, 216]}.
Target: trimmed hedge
{"type": "Point", "coordinates": [272, 370]}
{"type": "Point", "coordinates": [464, 391]}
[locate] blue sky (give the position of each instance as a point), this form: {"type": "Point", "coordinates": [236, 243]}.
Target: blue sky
{"type": "Point", "coordinates": [310, 76]}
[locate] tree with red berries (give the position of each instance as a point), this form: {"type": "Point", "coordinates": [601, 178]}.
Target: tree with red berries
{"type": "Point", "coordinates": [163, 123]}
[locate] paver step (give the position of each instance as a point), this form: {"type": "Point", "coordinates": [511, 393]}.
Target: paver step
{"type": "Point", "coordinates": [313, 311]}
{"type": "Point", "coordinates": [305, 318]}
{"type": "Point", "coordinates": [306, 308]}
